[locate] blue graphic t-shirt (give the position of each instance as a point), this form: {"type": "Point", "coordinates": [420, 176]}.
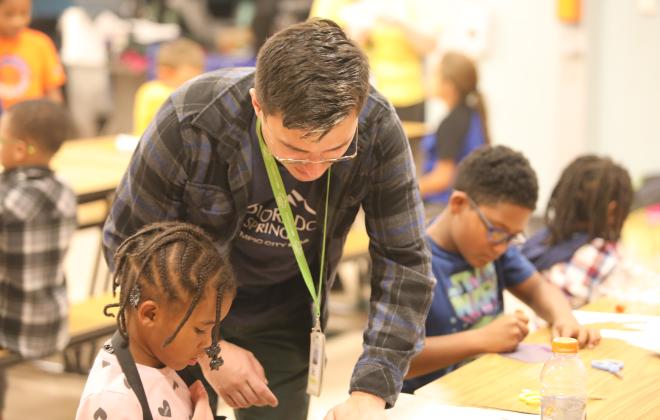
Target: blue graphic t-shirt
{"type": "Point", "coordinates": [467, 297]}
{"type": "Point", "coordinates": [269, 280]}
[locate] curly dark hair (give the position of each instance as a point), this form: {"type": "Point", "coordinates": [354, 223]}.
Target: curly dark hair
{"type": "Point", "coordinates": [171, 262]}
{"type": "Point", "coordinates": [498, 174]}
{"type": "Point", "coordinates": [580, 202]}
{"type": "Point", "coordinates": [313, 75]}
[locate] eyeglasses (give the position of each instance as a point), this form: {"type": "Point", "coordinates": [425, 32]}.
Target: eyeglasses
{"type": "Point", "coordinates": [345, 157]}
{"type": "Point", "coordinates": [497, 235]}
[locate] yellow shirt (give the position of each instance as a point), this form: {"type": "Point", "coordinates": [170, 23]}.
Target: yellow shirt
{"type": "Point", "coordinates": [148, 100]}
{"type": "Point", "coordinates": [397, 69]}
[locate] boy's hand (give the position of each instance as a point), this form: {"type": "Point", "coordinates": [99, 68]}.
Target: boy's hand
{"type": "Point", "coordinates": [504, 333]}
{"type": "Point", "coordinates": [241, 380]}
{"type": "Point", "coordinates": [569, 327]}
{"type": "Point", "coordinates": [200, 400]}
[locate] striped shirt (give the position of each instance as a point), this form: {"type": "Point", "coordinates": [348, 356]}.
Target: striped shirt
{"type": "Point", "coordinates": [194, 163]}
{"type": "Point", "coordinates": [37, 222]}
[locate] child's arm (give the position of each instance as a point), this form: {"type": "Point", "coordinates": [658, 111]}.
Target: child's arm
{"type": "Point", "coordinates": [501, 335]}
{"type": "Point", "coordinates": [551, 304]}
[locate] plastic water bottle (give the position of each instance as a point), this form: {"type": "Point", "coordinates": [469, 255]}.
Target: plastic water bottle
{"type": "Point", "coordinates": [564, 383]}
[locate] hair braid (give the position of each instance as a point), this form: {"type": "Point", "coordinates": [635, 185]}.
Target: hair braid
{"type": "Point", "coordinates": [168, 254]}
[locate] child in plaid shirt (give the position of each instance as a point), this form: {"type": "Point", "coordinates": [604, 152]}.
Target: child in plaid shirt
{"type": "Point", "coordinates": [577, 250]}
{"type": "Point", "coordinates": [37, 221]}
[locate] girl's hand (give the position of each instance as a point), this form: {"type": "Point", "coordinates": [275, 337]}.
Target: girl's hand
{"type": "Point", "coordinates": [200, 400]}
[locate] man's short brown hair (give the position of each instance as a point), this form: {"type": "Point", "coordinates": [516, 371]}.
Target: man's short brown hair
{"type": "Point", "coordinates": [313, 75]}
{"type": "Point", "coordinates": [41, 121]}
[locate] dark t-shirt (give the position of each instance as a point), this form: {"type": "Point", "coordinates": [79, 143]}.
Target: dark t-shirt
{"type": "Point", "coordinates": [450, 137]}
{"type": "Point", "coordinates": [267, 273]}
{"type": "Point", "coordinates": [467, 297]}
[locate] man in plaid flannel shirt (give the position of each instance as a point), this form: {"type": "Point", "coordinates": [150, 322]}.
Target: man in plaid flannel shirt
{"type": "Point", "coordinates": [200, 161]}
{"type": "Point", "coordinates": [37, 222]}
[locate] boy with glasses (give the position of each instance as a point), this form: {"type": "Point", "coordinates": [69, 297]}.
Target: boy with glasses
{"type": "Point", "coordinates": [271, 163]}
{"type": "Point", "coordinates": [474, 259]}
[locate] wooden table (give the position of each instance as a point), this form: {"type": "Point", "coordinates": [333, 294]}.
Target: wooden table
{"type": "Point", "coordinates": [415, 130]}
{"type": "Point", "coordinates": [495, 381]}
{"type": "Point", "coordinates": [93, 167]}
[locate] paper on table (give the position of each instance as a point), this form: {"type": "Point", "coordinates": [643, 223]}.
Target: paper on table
{"type": "Point", "coordinates": [637, 330]}
{"type": "Point", "coordinates": [418, 407]}
{"type": "Point", "coordinates": [126, 142]}
{"type": "Point", "coordinates": [530, 353]}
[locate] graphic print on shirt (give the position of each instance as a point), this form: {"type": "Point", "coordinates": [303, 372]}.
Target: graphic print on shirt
{"type": "Point", "coordinates": [100, 414]}
{"type": "Point", "coordinates": [165, 410]}
{"type": "Point", "coordinates": [14, 76]}
{"type": "Point", "coordinates": [263, 224]}
{"type": "Point", "coordinates": [473, 294]}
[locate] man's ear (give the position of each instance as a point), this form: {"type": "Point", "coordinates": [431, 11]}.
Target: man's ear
{"type": "Point", "coordinates": [457, 201]}
{"type": "Point", "coordinates": [148, 313]}
{"type": "Point", "coordinates": [255, 102]}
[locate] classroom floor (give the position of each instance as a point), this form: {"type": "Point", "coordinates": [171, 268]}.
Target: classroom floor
{"type": "Point", "coordinates": [41, 390]}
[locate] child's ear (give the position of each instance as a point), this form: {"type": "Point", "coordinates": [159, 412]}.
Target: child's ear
{"type": "Point", "coordinates": [21, 150]}
{"type": "Point", "coordinates": [457, 201]}
{"type": "Point", "coordinates": [148, 312]}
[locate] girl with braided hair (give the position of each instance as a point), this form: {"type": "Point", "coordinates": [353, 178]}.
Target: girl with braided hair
{"type": "Point", "coordinates": [577, 250]}
{"type": "Point", "coordinates": [174, 289]}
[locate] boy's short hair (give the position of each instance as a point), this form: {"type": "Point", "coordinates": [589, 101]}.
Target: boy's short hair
{"type": "Point", "coordinates": [498, 174]}
{"type": "Point", "coordinates": [181, 52]}
{"type": "Point", "coordinates": [41, 121]}
{"type": "Point", "coordinates": [312, 74]}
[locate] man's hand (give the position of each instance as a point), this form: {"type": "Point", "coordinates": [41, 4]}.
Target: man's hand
{"type": "Point", "coordinates": [569, 327]}
{"type": "Point", "coordinates": [504, 333]}
{"type": "Point", "coordinates": [241, 380]}
{"type": "Point", "coordinates": [359, 406]}
{"type": "Point", "coordinates": [200, 400]}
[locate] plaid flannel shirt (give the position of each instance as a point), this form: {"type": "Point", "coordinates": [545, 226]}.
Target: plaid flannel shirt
{"type": "Point", "coordinates": [580, 277]}
{"type": "Point", "coordinates": [194, 163]}
{"type": "Point", "coordinates": [37, 222]}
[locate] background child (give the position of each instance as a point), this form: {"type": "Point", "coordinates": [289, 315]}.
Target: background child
{"type": "Point", "coordinates": [175, 288]}
{"type": "Point", "coordinates": [585, 214]}
{"type": "Point", "coordinates": [461, 131]}
{"type": "Point", "coordinates": [29, 65]}
{"type": "Point", "coordinates": [37, 222]}
{"type": "Point", "coordinates": [473, 261]}
{"type": "Point", "coordinates": [176, 62]}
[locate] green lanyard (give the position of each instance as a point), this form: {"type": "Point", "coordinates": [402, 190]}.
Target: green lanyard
{"type": "Point", "coordinates": [282, 200]}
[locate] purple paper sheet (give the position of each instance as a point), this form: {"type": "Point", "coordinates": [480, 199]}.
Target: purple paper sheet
{"type": "Point", "coordinates": [530, 353]}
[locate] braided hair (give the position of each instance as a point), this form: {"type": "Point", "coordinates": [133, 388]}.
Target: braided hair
{"type": "Point", "coordinates": [580, 202]}
{"type": "Point", "coordinates": [171, 261]}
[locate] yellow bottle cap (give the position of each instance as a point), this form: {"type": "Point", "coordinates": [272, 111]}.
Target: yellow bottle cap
{"type": "Point", "coordinates": [564, 345]}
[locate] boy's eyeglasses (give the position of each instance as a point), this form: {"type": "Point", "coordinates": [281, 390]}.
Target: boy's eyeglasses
{"type": "Point", "coordinates": [347, 156]}
{"type": "Point", "coordinates": [496, 235]}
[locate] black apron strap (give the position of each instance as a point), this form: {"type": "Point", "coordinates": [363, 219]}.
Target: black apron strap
{"type": "Point", "coordinates": [130, 371]}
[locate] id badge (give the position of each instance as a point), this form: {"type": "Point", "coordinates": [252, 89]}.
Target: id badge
{"type": "Point", "coordinates": [316, 362]}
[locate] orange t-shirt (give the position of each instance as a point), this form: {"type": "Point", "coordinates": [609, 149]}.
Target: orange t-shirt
{"type": "Point", "coordinates": [29, 67]}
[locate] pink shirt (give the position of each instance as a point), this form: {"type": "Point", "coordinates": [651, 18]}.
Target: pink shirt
{"type": "Point", "coordinates": [107, 395]}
